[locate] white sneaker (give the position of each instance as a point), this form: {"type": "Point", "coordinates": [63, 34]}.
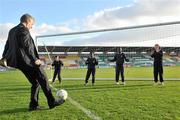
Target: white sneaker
{"type": "Point", "coordinates": [85, 84]}
{"type": "Point", "coordinates": [117, 83]}
{"type": "Point", "coordinates": [123, 83]}
{"type": "Point", "coordinates": [162, 83]}
{"type": "Point", "coordinates": [155, 84]}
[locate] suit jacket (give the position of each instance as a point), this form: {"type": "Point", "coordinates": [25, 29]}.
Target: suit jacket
{"type": "Point", "coordinates": [20, 47]}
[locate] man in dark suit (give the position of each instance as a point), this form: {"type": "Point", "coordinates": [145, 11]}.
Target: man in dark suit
{"type": "Point", "coordinates": [119, 58]}
{"type": "Point", "coordinates": [57, 63]}
{"type": "Point", "coordinates": [91, 62]}
{"type": "Point", "coordinates": [20, 52]}
{"type": "Point", "coordinates": [157, 54]}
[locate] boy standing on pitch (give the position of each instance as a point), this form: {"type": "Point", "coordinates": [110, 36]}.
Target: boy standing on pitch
{"type": "Point", "coordinates": [119, 58]}
{"type": "Point", "coordinates": [57, 69]}
{"type": "Point", "coordinates": [91, 62]}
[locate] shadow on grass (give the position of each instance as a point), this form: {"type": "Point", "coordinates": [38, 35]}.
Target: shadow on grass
{"type": "Point", "coordinates": [19, 89]}
{"type": "Point", "coordinates": [104, 87]}
{"type": "Point", "coordinates": [13, 111]}
{"type": "Point", "coordinates": [19, 110]}
{"type": "Point", "coordinates": [14, 85]}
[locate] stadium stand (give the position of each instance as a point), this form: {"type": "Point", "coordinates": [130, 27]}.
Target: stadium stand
{"type": "Point", "coordinates": [139, 56]}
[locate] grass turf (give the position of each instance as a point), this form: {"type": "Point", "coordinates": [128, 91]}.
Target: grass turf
{"type": "Point", "coordinates": [130, 72]}
{"type": "Point", "coordinates": [137, 100]}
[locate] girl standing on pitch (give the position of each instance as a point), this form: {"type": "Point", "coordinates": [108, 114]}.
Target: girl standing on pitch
{"type": "Point", "coordinates": [157, 54]}
{"type": "Point", "coordinates": [57, 69]}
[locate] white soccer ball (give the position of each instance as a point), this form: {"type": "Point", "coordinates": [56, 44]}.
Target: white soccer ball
{"type": "Point", "coordinates": [62, 94]}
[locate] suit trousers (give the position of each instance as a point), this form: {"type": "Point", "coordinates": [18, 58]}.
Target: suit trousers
{"type": "Point", "coordinates": [37, 77]}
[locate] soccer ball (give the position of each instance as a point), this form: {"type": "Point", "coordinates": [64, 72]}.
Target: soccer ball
{"type": "Point", "coordinates": [62, 94]}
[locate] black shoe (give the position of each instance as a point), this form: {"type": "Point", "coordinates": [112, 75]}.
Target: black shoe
{"type": "Point", "coordinates": [57, 102]}
{"type": "Point", "coordinates": [36, 108]}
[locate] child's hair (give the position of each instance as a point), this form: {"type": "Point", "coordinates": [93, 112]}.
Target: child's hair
{"type": "Point", "coordinates": [157, 45]}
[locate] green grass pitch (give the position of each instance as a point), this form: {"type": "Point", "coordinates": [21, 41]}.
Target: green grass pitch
{"type": "Point", "coordinates": [130, 72]}
{"type": "Point", "coordinates": [138, 100]}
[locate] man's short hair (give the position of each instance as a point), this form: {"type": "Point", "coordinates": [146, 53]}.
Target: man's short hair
{"type": "Point", "coordinates": [25, 18]}
{"type": "Point", "coordinates": [119, 50]}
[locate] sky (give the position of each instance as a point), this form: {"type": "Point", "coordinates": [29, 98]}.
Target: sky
{"type": "Point", "coordinates": [54, 11]}
{"type": "Point", "coordinates": [62, 16]}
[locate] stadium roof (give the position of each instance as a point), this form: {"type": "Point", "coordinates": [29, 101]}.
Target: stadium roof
{"type": "Point", "coordinates": [101, 49]}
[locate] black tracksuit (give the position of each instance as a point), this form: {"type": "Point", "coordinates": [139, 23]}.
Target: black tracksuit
{"type": "Point", "coordinates": [158, 66]}
{"type": "Point", "coordinates": [91, 62]}
{"type": "Point", "coordinates": [119, 58]}
{"type": "Point", "coordinates": [57, 70]}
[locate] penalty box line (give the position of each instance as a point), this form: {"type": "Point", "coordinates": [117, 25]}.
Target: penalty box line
{"type": "Point", "coordinates": [78, 105]}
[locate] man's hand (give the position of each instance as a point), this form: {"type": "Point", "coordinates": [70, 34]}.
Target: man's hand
{"type": "Point", "coordinates": [127, 60]}
{"type": "Point", "coordinates": [3, 62]}
{"type": "Point", "coordinates": [38, 62]}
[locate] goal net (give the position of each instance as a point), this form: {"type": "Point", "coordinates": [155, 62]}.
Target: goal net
{"type": "Point", "coordinates": [136, 41]}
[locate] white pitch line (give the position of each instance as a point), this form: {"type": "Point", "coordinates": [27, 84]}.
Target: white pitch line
{"type": "Point", "coordinates": [53, 87]}
{"type": "Point", "coordinates": [86, 111]}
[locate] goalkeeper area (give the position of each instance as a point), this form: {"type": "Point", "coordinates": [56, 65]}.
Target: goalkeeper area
{"type": "Point", "coordinates": [136, 42]}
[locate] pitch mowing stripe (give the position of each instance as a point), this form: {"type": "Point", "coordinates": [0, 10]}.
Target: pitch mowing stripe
{"type": "Point", "coordinates": [86, 111]}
